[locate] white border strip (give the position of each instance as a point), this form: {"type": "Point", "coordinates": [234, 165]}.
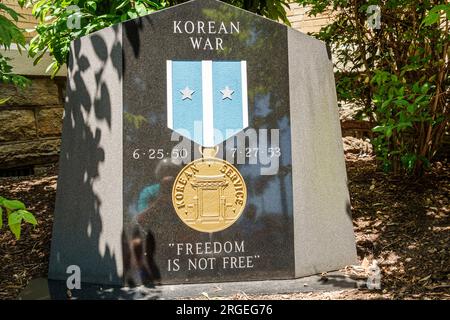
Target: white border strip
{"type": "Point", "coordinates": [244, 94]}
{"type": "Point", "coordinates": [208, 115]}
{"type": "Point", "coordinates": [169, 95]}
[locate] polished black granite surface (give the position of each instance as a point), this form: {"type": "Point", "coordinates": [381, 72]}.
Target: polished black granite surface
{"type": "Point", "coordinates": [261, 242]}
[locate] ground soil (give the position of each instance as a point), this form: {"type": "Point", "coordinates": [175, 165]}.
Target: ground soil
{"type": "Point", "coordinates": [403, 224]}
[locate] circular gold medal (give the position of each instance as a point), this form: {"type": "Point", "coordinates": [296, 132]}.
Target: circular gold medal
{"type": "Point", "coordinates": [209, 194]}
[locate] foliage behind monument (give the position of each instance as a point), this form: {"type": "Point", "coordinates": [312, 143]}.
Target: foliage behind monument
{"type": "Point", "coordinates": [392, 61]}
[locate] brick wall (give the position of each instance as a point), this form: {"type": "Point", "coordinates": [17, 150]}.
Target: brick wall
{"type": "Point", "coordinates": [27, 21]}
{"type": "Point", "coordinates": [299, 19]}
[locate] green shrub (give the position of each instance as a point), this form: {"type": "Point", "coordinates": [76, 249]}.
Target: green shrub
{"type": "Point", "coordinates": [10, 34]}
{"type": "Point", "coordinates": [396, 74]}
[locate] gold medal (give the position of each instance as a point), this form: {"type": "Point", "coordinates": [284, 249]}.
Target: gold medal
{"type": "Point", "coordinates": [209, 194]}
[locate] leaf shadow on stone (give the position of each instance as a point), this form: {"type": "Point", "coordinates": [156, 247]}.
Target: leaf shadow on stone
{"type": "Point", "coordinates": [132, 31]}
{"type": "Point", "coordinates": [79, 229]}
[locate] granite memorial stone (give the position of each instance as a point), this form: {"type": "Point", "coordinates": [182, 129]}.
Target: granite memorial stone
{"type": "Point", "coordinates": [201, 143]}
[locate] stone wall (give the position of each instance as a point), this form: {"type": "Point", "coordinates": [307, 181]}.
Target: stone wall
{"type": "Point", "coordinates": [30, 123]}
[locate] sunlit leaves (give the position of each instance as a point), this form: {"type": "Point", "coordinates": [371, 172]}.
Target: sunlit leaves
{"type": "Point", "coordinates": [10, 34]}
{"type": "Point", "coordinates": [16, 214]}
{"type": "Point", "coordinates": [57, 17]}
{"type": "Point", "coordinates": [435, 15]}
{"type": "Point", "coordinates": [397, 75]}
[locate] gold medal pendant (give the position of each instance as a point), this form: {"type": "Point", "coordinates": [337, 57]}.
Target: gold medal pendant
{"type": "Point", "coordinates": [209, 194]}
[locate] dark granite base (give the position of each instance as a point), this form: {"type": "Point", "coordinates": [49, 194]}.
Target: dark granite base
{"type": "Point", "coordinates": [43, 289]}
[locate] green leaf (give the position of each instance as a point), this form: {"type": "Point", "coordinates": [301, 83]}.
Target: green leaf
{"type": "Point", "coordinates": [379, 129]}
{"type": "Point", "coordinates": [431, 18]}
{"type": "Point", "coordinates": [4, 100]}
{"type": "Point", "coordinates": [13, 204]}
{"type": "Point", "coordinates": [435, 13]}
{"type": "Point", "coordinates": [28, 217]}
{"type": "Point", "coordinates": [401, 102]}
{"type": "Point", "coordinates": [389, 132]}
{"type": "Point", "coordinates": [403, 125]}
{"type": "Point", "coordinates": [39, 57]}
{"type": "Point", "coordinates": [386, 103]}
{"type": "Point", "coordinates": [411, 108]}
{"type": "Point", "coordinates": [92, 5]}
{"type": "Point", "coordinates": [13, 14]}
{"type": "Point", "coordinates": [1, 217]}
{"type": "Point", "coordinates": [132, 14]}
{"type": "Point", "coordinates": [15, 218]}
{"type": "Point", "coordinates": [14, 222]}
{"type": "Point", "coordinates": [123, 4]}
{"type": "Point", "coordinates": [15, 229]}
{"type": "Point", "coordinates": [425, 88]}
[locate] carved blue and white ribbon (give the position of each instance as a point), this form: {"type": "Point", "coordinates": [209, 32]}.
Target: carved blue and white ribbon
{"type": "Point", "coordinates": [207, 101]}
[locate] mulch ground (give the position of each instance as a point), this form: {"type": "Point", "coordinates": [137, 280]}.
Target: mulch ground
{"type": "Point", "coordinates": [402, 224]}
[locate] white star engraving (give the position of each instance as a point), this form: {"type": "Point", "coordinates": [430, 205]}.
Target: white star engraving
{"type": "Point", "coordinates": [226, 93]}
{"type": "Point", "coordinates": [187, 93]}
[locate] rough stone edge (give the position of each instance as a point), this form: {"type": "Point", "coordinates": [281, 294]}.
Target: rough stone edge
{"type": "Point", "coordinates": [112, 164]}
{"type": "Point", "coordinates": [323, 241]}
